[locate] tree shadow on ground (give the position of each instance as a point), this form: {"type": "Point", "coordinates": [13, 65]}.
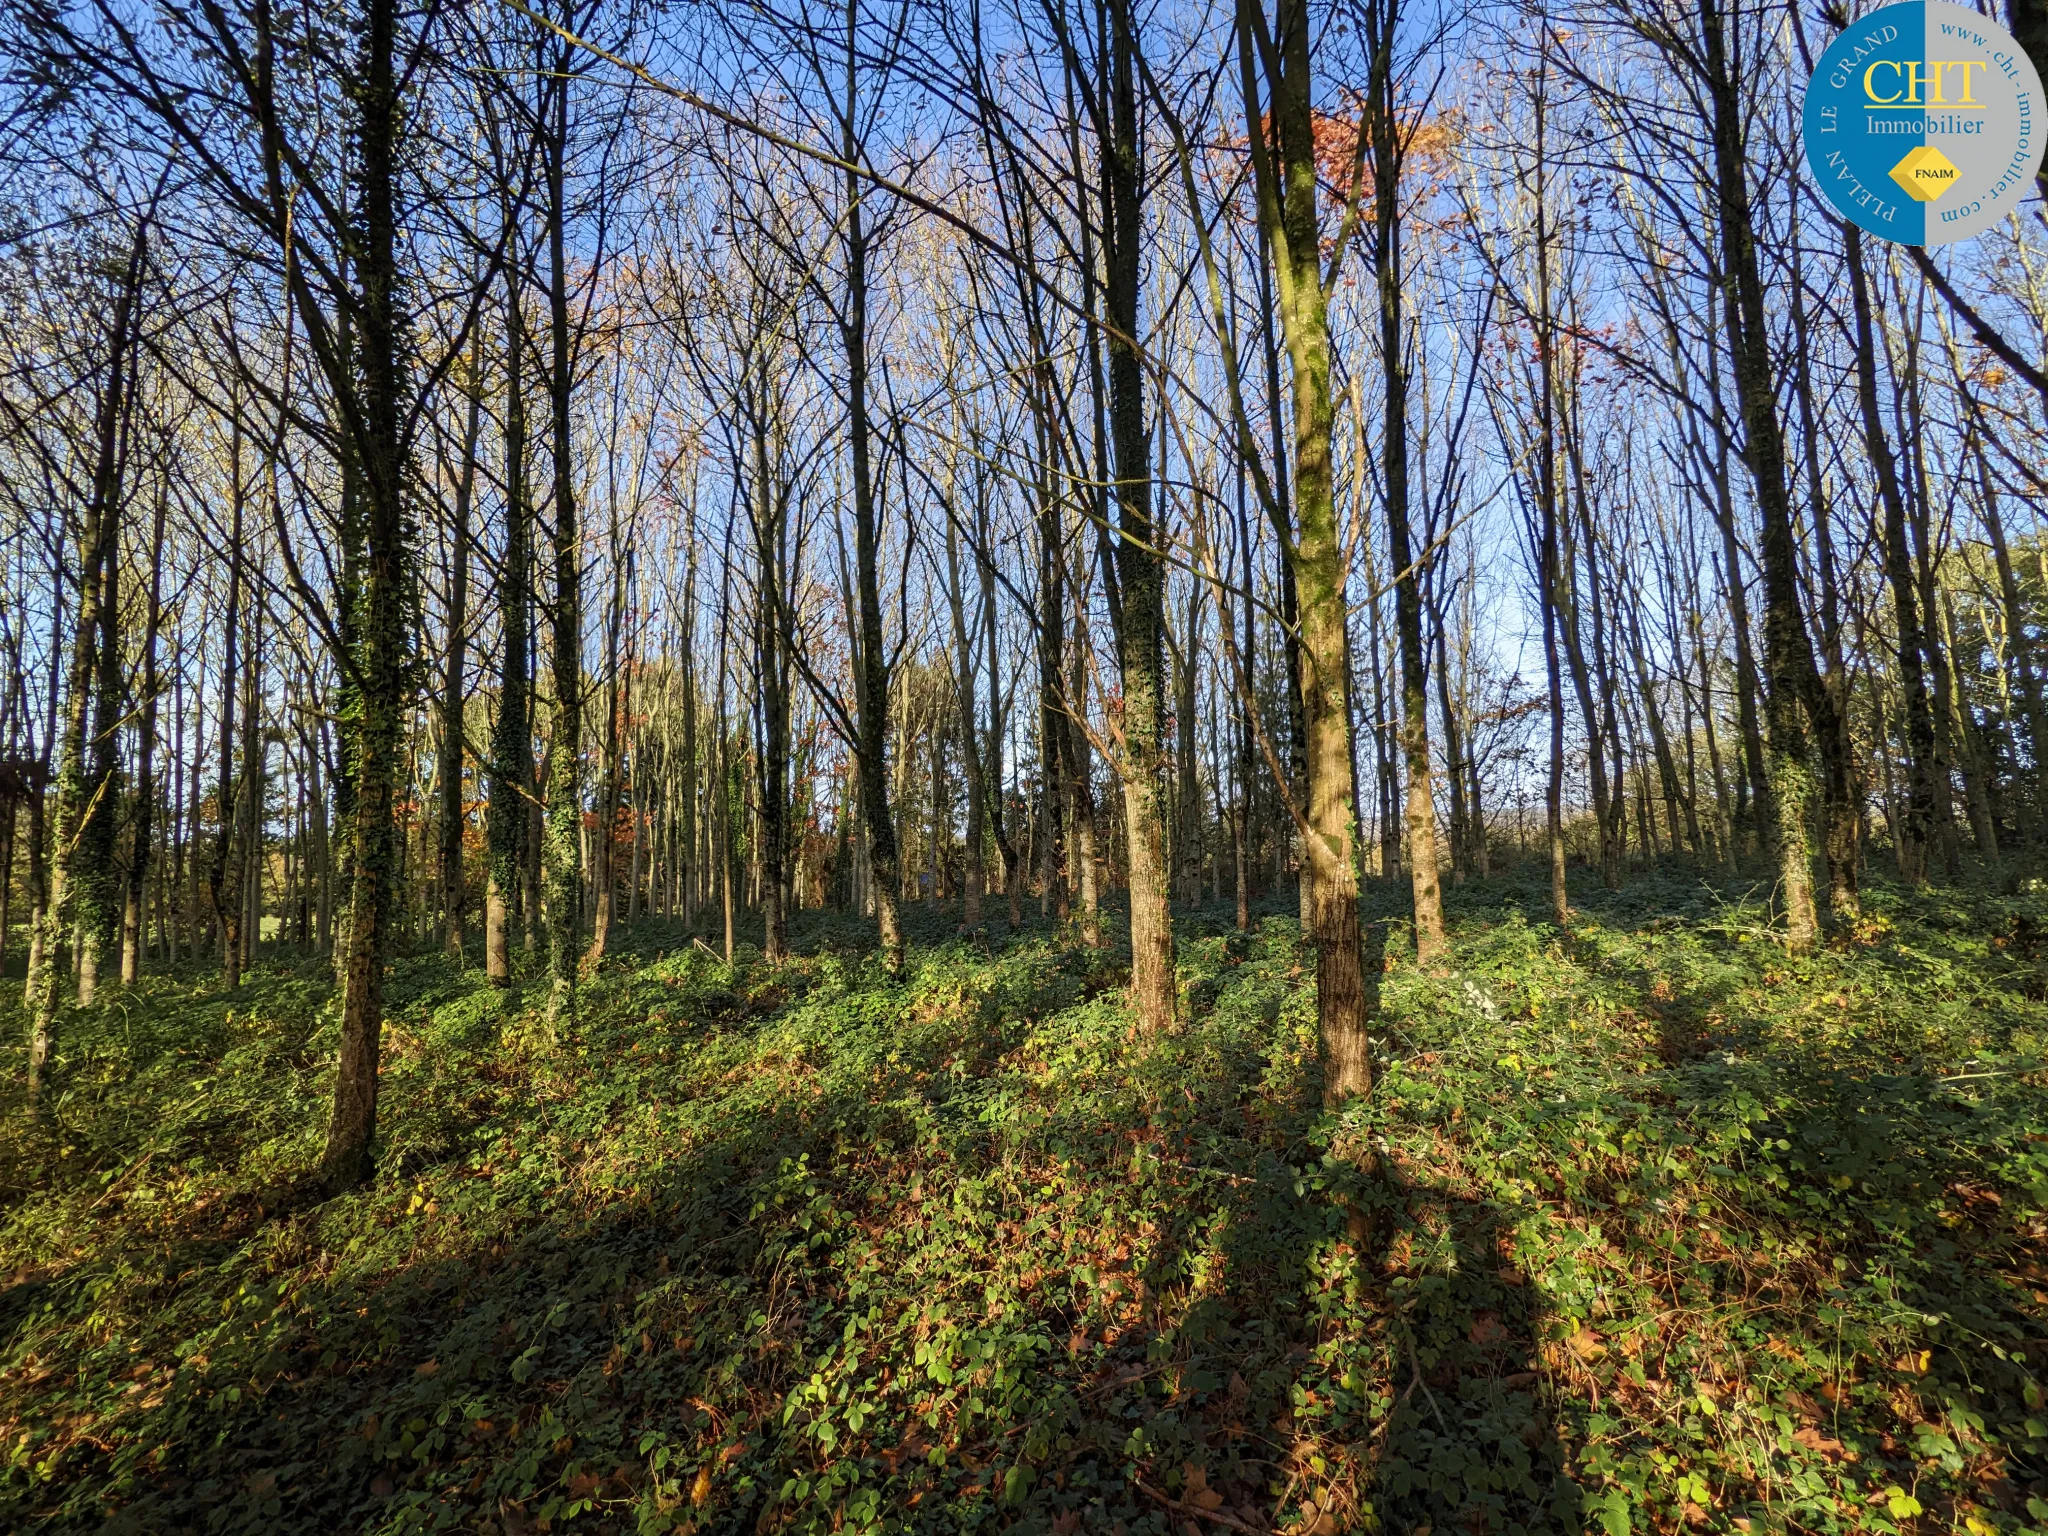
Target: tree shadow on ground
{"type": "Point", "coordinates": [959, 1252]}
{"type": "Point", "coordinates": [1149, 1348]}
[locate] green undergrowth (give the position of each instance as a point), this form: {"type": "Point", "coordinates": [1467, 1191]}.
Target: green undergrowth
{"type": "Point", "coordinates": [1646, 1228]}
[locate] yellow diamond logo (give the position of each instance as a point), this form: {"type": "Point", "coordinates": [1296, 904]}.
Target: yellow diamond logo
{"type": "Point", "coordinates": [1925, 173]}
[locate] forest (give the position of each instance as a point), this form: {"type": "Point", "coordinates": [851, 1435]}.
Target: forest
{"type": "Point", "coordinates": [1127, 766]}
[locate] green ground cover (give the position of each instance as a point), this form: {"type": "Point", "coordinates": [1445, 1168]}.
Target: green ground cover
{"type": "Point", "coordinates": [1674, 1234]}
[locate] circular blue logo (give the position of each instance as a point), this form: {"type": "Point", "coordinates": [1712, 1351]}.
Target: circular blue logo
{"type": "Point", "coordinates": [1924, 123]}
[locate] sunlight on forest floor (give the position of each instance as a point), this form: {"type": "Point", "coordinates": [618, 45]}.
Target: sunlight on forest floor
{"type": "Point", "coordinates": [1681, 1234]}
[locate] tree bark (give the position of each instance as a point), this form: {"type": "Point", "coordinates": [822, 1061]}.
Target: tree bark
{"type": "Point", "coordinates": [450, 821]}
{"type": "Point", "coordinates": [382, 659]}
{"type": "Point", "coordinates": [1793, 678]}
{"type": "Point", "coordinates": [511, 772]}
{"type": "Point", "coordinates": [1420, 810]}
{"type": "Point", "coordinates": [85, 808]}
{"type": "Point", "coordinates": [143, 828]}
{"type": "Point", "coordinates": [562, 836]}
{"type": "Point", "coordinates": [771, 669]}
{"type": "Point", "coordinates": [1913, 830]}
{"type": "Point", "coordinates": [1288, 223]}
{"type": "Point", "coordinates": [1141, 650]}
{"type": "Point", "coordinates": [973, 878]}
{"type": "Point", "coordinates": [2017, 640]}
{"type": "Point", "coordinates": [873, 693]}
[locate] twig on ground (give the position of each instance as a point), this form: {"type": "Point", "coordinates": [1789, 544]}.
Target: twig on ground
{"type": "Point", "coordinates": [1197, 1511]}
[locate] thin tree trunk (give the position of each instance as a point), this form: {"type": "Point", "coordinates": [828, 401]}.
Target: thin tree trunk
{"type": "Point", "coordinates": [973, 878]}
{"type": "Point", "coordinates": [511, 774]}
{"type": "Point", "coordinates": [562, 872]}
{"type": "Point", "coordinates": [2017, 640]}
{"type": "Point", "coordinates": [226, 874]}
{"type": "Point", "coordinates": [83, 833]}
{"type": "Point", "coordinates": [771, 667]}
{"type": "Point", "coordinates": [132, 917]}
{"type": "Point", "coordinates": [452, 882]}
{"type": "Point", "coordinates": [1913, 831]}
{"type": "Point", "coordinates": [872, 748]}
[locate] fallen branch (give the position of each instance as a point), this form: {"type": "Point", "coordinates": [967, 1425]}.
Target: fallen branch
{"type": "Point", "coordinates": [1197, 1511]}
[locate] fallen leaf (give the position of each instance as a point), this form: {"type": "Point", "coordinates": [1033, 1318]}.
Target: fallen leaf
{"type": "Point", "coordinates": [1802, 1405]}
{"type": "Point", "coordinates": [700, 1490]}
{"type": "Point", "coordinates": [1487, 1331]}
{"type": "Point", "coordinates": [1814, 1440]}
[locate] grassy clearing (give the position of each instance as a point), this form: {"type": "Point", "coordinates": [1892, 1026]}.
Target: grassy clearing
{"type": "Point", "coordinates": [1680, 1234]}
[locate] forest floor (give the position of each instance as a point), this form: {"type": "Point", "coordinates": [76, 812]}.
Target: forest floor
{"type": "Point", "coordinates": [1677, 1234]}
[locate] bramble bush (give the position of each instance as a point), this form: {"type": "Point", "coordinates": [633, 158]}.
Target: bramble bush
{"type": "Point", "coordinates": [1661, 1231]}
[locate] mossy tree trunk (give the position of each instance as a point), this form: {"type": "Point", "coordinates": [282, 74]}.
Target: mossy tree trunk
{"type": "Point", "coordinates": [82, 836]}
{"type": "Point", "coordinates": [1794, 694]}
{"type": "Point", "coordinates": [382, 657]}
{"type": "Point", "coordinates": [562, 835]}
{"type": "Point", "coordinates": [511, 773]}
{"type": "Point", "coordinates": [450, 819]}
{"type": "Point", "coordinates": [1140, 637]}
{"type": "Point", "coordinates": [142, 825]}
{"type": "Point", "coordinates": [1288, 223]}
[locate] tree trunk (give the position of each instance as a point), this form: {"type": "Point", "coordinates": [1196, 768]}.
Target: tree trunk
{"type": "Point", "coordinates": [1188, 819]}
{"type": "Point", "coordinates": [561, 852]}
{"type": "Point", "coordinates": [1794, 679]}
{"type": "Point", "coordinates": [511, 774]}
{"type": "Point", "coordinates": [873, 700]}
{"type": "Point", "coordinates": [2017, 640]}
{"type": "Point", "coordinates": [1912, 831]}
{"type": "Point", "coordinates": [999, 825]}
{"type": "Point", "coordinates": [382, 660]}
{"type": "Point", "coordinates": [86, 807]}
{"type": "Point", "coordinates": [1385, 135]}
{"type": "Point", "coordinates": [1288, 222]}
{"type": "Point", "coordinates": [78, 871]}
{"type": "Point", "coordinates": [1841, 801]}
{"type": "Point", "coordinates": [771, 668]}
{"type": "Point", "coordinates": [973, 879]}
{"type": "Point", "coordinates": [450, 821]}
{"type": "Point", "coordinates": [145, 756]}
{"type": "Point", "coordinates": [1141, 651]}
{"type": "Point", "coordinates": [249, 801]}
